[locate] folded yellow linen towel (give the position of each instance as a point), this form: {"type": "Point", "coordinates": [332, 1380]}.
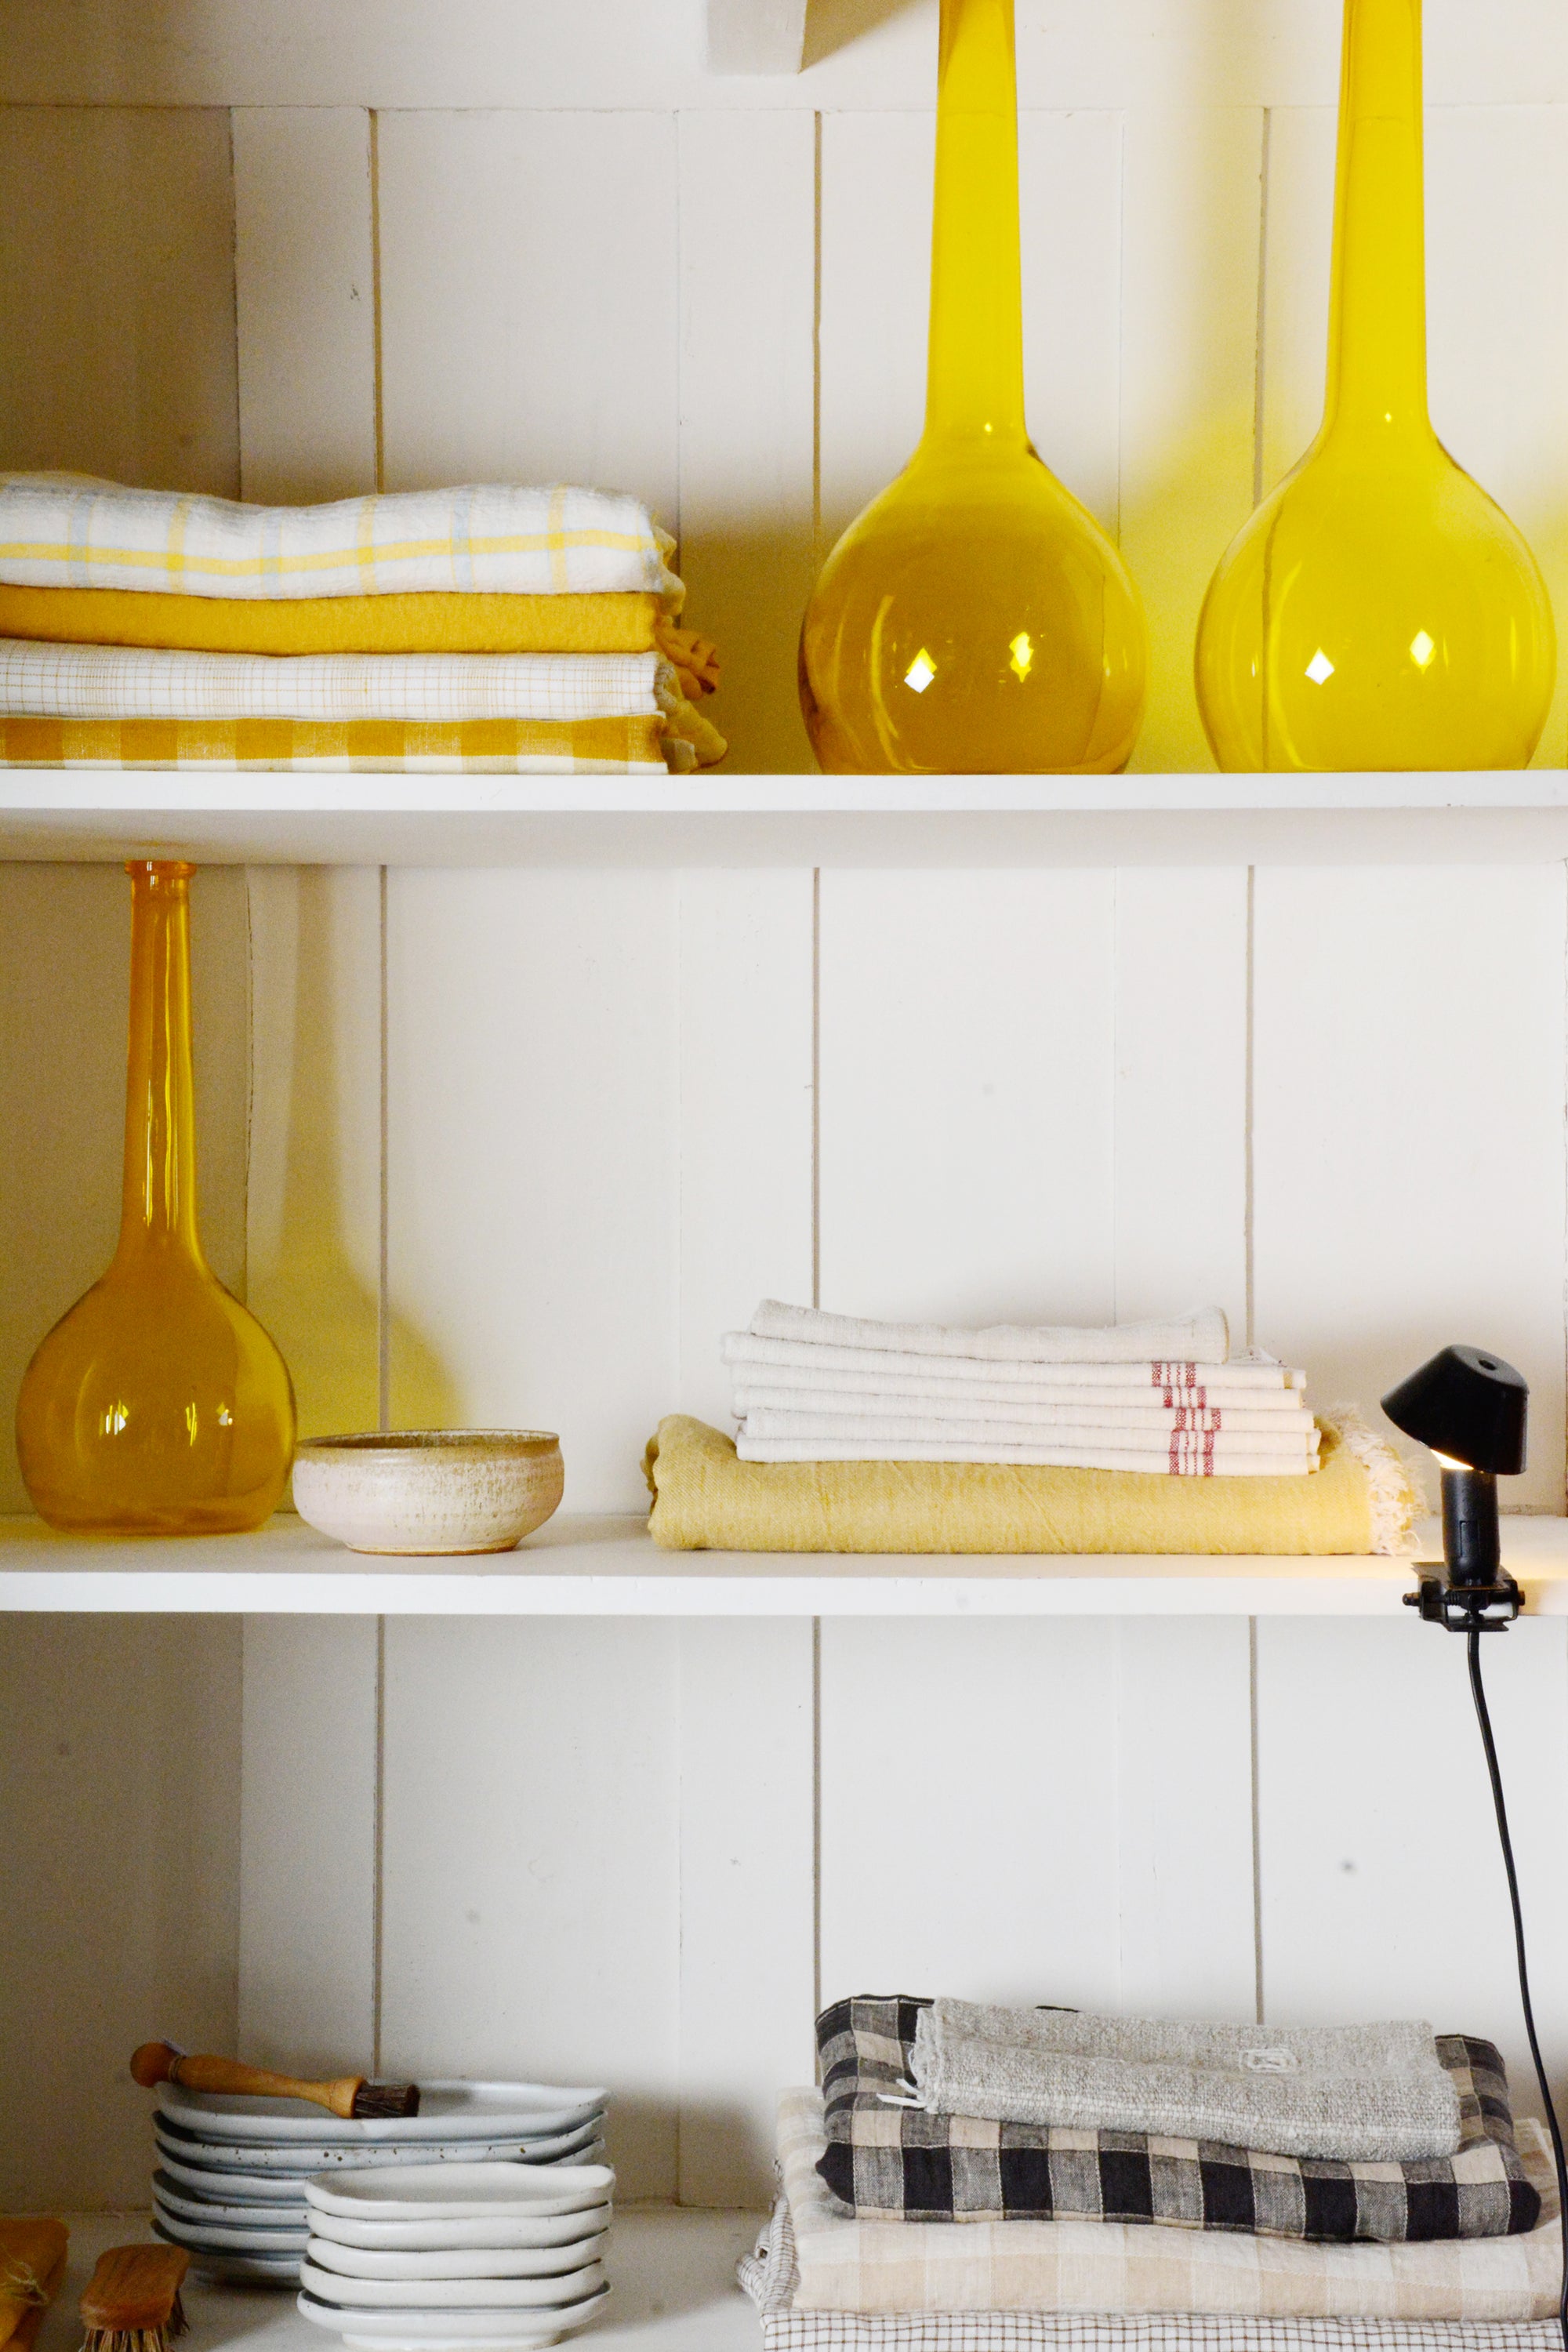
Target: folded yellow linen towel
{"type": "Point", "coordinates": [69, 531]}
{"type": "Point", "coordinates": [32, 2264]}
{"type": "Point", "coordinates": [439, 621]}
{"type": "Point", "coordinates": [587, 747]}
{"type": "Point", "coordinates": [705, 1500]}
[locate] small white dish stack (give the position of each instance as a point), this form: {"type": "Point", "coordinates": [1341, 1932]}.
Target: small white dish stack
{"type": "Point", "coordinates": [482, 2255]}
{"type": "Point", "coordinates": [230, 2183]}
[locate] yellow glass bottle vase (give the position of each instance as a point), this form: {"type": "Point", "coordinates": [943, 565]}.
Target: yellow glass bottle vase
{"type": "Point", "coordinates": [158, 1405]}
{"type": "Point", "coordinates": [975, 618]}
{"type": "Point", "coordinates": [1379, 610]}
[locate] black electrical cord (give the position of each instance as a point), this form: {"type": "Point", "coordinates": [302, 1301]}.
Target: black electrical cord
{"type": "Point", "coordinates": [1484, 1719]}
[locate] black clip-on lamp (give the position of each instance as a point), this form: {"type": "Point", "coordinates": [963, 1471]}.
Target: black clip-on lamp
{"type": "Point", "coordinates": [1470, 1408]}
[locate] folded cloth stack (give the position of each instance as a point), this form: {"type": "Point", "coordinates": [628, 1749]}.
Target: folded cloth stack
{"type": "Point", "coordinates": [1071, 2232]}
{"type": "Point", "coordinates": [32, 2267]}
{"type": "Point", "coordinates": [1166, 1398]}
{"type": "Point", "coordinates": [486, 629]}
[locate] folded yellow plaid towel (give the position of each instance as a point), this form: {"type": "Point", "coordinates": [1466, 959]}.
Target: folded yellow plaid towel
{"type": "Point", "coordinates": [705, 1500]}
{"type": "Point", "coordinates": [65, 531]}
{"type": "Point", "coordinates": [477, 746]}
{"type": "Point", "coordinates": [436, 622]}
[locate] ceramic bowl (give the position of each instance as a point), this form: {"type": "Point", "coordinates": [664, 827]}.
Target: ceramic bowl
{"type": "Point", "coordinates": [429, 1490]}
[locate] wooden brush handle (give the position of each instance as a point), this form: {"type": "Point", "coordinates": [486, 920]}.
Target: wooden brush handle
{"type": "Point", "coordinates": [156, 2063]}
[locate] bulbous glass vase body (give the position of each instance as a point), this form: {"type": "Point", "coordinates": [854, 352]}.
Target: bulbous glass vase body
{"type": "Point", "coordinates": [1379, 610]}
{"type": "Point", "coordinates": [975, 618]}
{"type": "Point", "coordinates": [158, 1405]}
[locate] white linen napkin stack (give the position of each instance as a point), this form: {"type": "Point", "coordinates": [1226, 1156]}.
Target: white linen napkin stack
{"type": "Point", "coordinates": [1166, 1398]}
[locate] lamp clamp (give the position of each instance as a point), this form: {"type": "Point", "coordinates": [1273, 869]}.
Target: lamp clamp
{"type": "Point", "coordinates": [1465, 1608]}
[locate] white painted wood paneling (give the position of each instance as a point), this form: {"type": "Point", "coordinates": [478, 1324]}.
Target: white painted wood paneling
{"type": "Point", "coordinates": [528, 294]}
{"type": "Point", "coordinates": [1185, 1895]}
{"type": "Point", "coordinates": [950, 1861]}
{"type": "Point", "coordinates": [1180, 1104]}
{"type": "Point", "coordinates": [1383, 1890]}
{"type": "Point", "coordinates": [875, 293]}
{"type": "Point", "coordinates": [531, 1881]}
{"type": "Point", "coordinates": [116, 287]}
{"type": "Point", "coordinates": [1407, 1142]}
{"type": "Point", "coordinates": [1189, 328]}
{"type": "Point", "coordinates": [307, 1845]}
{"type": "Point", "coordinates": [532, 1093]}
{"type": "Point", "coordinates": [619, 54]}
{"type": "Point", "coordinates": [966, 1055]}
{"type": "Point", "coordinates": [752, 37]}
{"type": "Point", "coordinates": [746, 1078]}
{"type": "Point", "coordinates": [314, 1196]}
{"type": "Point", "coordinates": [119, 1843]}
{"type": "Point", "coordinates": [748, 1944]}
{"type": "Point", "coordinates": [748, 414]}
{"type": "Point", "coordinates": [304, 273]}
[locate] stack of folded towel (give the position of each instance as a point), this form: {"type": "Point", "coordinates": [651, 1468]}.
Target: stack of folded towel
{"type": "Point", "coordinates": [485, 629]}
{"type": "Point", "coordinates": [1265, 2186]}
{"type": "Point", "coordinates": [1167, 1398]}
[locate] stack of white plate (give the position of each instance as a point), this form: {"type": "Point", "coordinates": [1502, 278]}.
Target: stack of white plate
{"type": "Point", "coordinates": [478, 2255]}
{"type": "Point", "coordinates": [230, 2183]}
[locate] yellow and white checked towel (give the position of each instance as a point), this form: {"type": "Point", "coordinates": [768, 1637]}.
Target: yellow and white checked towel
{"type": "Point", "coordinates": [479, 747]}
{"type": "Point", "coordinates": [66, 531]}
{"type": "Point", "coordinates": [64, 681]}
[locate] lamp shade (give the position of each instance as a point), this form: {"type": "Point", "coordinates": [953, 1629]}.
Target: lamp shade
{"type": "Point", "coordinates": [1468, 1404]}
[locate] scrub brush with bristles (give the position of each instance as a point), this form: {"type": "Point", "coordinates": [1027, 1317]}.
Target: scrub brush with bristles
{"type": "Point", "coordinates": [350, 2097]}
{"type": "Point", "coordinates": [133, 2300]}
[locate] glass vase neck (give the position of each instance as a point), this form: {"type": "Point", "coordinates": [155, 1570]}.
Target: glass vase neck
{"type": "Point", "coordinates": [158, 1208]}
{"type": "Point", "coordinates": [1378, 307]}
{"type": "Point", "coordinates": [974, 381]}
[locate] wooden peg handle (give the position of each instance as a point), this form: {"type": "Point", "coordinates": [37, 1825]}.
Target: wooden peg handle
{"type": "Point", "coordinates": [156, 2063]}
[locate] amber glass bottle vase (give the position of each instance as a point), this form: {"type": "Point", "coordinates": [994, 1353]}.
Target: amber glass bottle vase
{"type": "Point", "coordinates": [1378, 611]}
{"type": "Point", "coordinates": [158, 1406]}
{"type": "Point", "coordinates": [974, 619]}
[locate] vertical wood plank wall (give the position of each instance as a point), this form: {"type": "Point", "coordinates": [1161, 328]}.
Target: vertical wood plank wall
{"type": "Point", "coordinates": [520, 1145]}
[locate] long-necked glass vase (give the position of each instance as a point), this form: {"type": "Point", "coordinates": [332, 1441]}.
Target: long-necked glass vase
{"type": "Point", "coordinates": [1379, 610]}
{"type": "Point", "coordinates": [158, 1405]}
{"type": "Point", "coordinates": [975, 618]}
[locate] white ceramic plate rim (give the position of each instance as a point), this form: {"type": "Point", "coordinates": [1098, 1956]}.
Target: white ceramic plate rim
{"type": "Point", "coordinates": [281, 2266]}
{"type": "Point", "coordinates": [391, 2328]}
{"type": "Point", "coordinates": [475, 2111]}
{"type": "Point", "coordinates": [478, 2262]}
{"type": "Point", "coordinates": [462, 2197]}
{"type": "Point", "coordinates": [449, 2295]}
{"type": "Point", "coordinates": [501, 2235]}
{"type": "Point", "coordinates": [242, 2188]}
{"type": "Point", "coordinates": [213, 2214]}
{"type": "Point", "coordinates": [265, 2242]}
{"type": "Point", "coordinates": [298, 2160]}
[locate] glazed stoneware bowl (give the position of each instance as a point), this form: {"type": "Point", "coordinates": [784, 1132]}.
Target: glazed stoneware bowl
{"type": "Point", "coordinates": [429, 1490]}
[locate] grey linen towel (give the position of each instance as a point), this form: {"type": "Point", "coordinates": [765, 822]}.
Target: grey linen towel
{"type": "Point", "coordinates": [1366, 2094]}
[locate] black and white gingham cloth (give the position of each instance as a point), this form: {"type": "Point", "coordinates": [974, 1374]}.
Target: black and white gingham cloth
{"type": "Point", "coordinates": [770, 2277]}
{"type": "Point", "coordinates": [899, 2164]}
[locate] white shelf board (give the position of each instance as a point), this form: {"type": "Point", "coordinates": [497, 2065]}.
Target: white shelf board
{"type": "Point", "coordinates": [610, 1568]}
{"type": "Point", "coordinates": [671, 2269]}
{"type": "Point", "coordinates": [748, 821]}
